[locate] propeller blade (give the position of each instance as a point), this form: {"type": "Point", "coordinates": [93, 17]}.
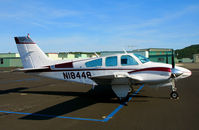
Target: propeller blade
{"type": "Point", "coordinates": [174, 72]}
{"type": "Point", "coordinates": [167, 60]}
{"type": "Point", "coordinates": [173, 60]}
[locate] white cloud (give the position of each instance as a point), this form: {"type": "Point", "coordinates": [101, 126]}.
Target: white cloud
{"type": "Point", "coordinates": [63, 13]}
{"type": "Point", "coordinates": [89, 43]}
{"type": "Point", "coordinates": [108, 34]}
{"type": "Point", "coordinates": [154, 22]}
{"type": "Point", "coordinates": [39, 14]}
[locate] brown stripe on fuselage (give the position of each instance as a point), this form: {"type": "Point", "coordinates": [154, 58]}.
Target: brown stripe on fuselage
{"type": "Point", "coordinates": [64, 65]}
{"type": "Point", "coordinates": [152, 69]}
{"type": "Point", "coordinates": [99, 69]}
{"type": "Point", "coordinates": [57, 70]}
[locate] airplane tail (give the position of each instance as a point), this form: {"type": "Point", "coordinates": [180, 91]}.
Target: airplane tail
{"type": "Point", "coordinates": [31, 55]}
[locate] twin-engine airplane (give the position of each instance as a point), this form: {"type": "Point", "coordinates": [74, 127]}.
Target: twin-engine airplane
{"type": "Point", "coordinates": [120, 71]}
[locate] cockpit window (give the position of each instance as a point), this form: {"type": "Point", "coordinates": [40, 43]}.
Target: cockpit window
{"type": "Point", "coordinates": [111, 61]}
{"type": "Point", "coordinates": [128, 60]}
{"type": "Point", "coordinates": [94, 63]}
{"type": "Point", "coordinates": [142, 58]}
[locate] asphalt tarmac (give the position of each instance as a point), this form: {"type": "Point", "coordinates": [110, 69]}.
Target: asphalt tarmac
{"type": "Point", "coordinates": [31, 102]}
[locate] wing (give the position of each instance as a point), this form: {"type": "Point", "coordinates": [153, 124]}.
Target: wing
{"type": "Point", "coordinates": [120, 82]}
{"type": "Point", "coordinates": [116, 78]}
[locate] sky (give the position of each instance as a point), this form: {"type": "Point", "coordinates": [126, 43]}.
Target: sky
{"type": "Point", "coordinates": [99, 25]}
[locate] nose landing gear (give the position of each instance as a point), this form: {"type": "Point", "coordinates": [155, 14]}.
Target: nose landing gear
{"type": "Point", "coordinates": [174, 94]}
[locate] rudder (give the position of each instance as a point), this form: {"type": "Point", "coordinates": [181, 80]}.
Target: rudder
{"type": "Point", "coordinates": [31, 55]}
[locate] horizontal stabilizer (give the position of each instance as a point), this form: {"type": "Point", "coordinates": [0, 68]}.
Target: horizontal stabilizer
{"type": "Point", "coordinates": [31, 69]}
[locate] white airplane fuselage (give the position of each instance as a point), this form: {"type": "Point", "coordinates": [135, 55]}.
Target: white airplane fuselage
{"type": "Point", "coordinates": [121, 71]}
{"type": "Point", "coordinates": [149, 73]}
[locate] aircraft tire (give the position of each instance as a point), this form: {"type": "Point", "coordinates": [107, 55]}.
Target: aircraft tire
{"type": "Point", "coordinates": [174, 95]}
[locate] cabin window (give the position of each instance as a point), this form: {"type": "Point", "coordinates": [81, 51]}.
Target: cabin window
{"type": "Point", "coordinates": [1, 60]}
{"type": "Point", "coordinates": [94, 63]}
{"type": "Point", "coordinates": [128, 60]}
{"type": "Point", "coordinates": [111, 61]}
{"type": "Point", "coordinates": [142, 58]}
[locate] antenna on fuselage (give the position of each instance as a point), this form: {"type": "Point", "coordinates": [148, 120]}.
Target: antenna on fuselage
{"type": "Point", "coordinates": [124, 51]}
{"type": "Point", "coordinates": [97, 54]}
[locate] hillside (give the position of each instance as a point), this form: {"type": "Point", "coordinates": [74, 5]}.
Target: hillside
{"type": "Point", "coordinates": [187, 52]}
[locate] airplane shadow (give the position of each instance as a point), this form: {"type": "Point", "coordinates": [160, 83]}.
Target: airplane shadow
{"type": "Point", "coordinates": [13, 90]}
{"type": "Point", "coordinates": [16, 90]}
{"type": "Point", "coordinates": [83, 99]}
{"type": "Point", "coordinates": [141, 96]}
{"type": "Point", "coordinates": [61, 108]}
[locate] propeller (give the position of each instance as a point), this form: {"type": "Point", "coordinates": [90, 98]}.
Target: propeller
{"type": "Point", "coordinates": [173, 60]}
{"type": "Point", "coordinates": [174, 73]}
{"type": "Point", "coordinates": [167, 60]}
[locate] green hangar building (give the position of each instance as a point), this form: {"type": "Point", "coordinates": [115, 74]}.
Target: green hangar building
{"type": "Point", "coordinates": [13, 59]}
{"type": "Point", "coordinates": [10, 60]}
{"type": "Point", "coordinates": [154, 54]}
{"type": "Point", "coordinates": [162, 55]}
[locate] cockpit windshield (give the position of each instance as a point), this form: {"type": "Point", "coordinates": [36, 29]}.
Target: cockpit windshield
{"type": "Point", "coordinates": [142, 58]}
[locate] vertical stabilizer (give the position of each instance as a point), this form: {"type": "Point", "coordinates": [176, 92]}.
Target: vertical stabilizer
{"type": "Point", "coordinates": [31, 55]}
